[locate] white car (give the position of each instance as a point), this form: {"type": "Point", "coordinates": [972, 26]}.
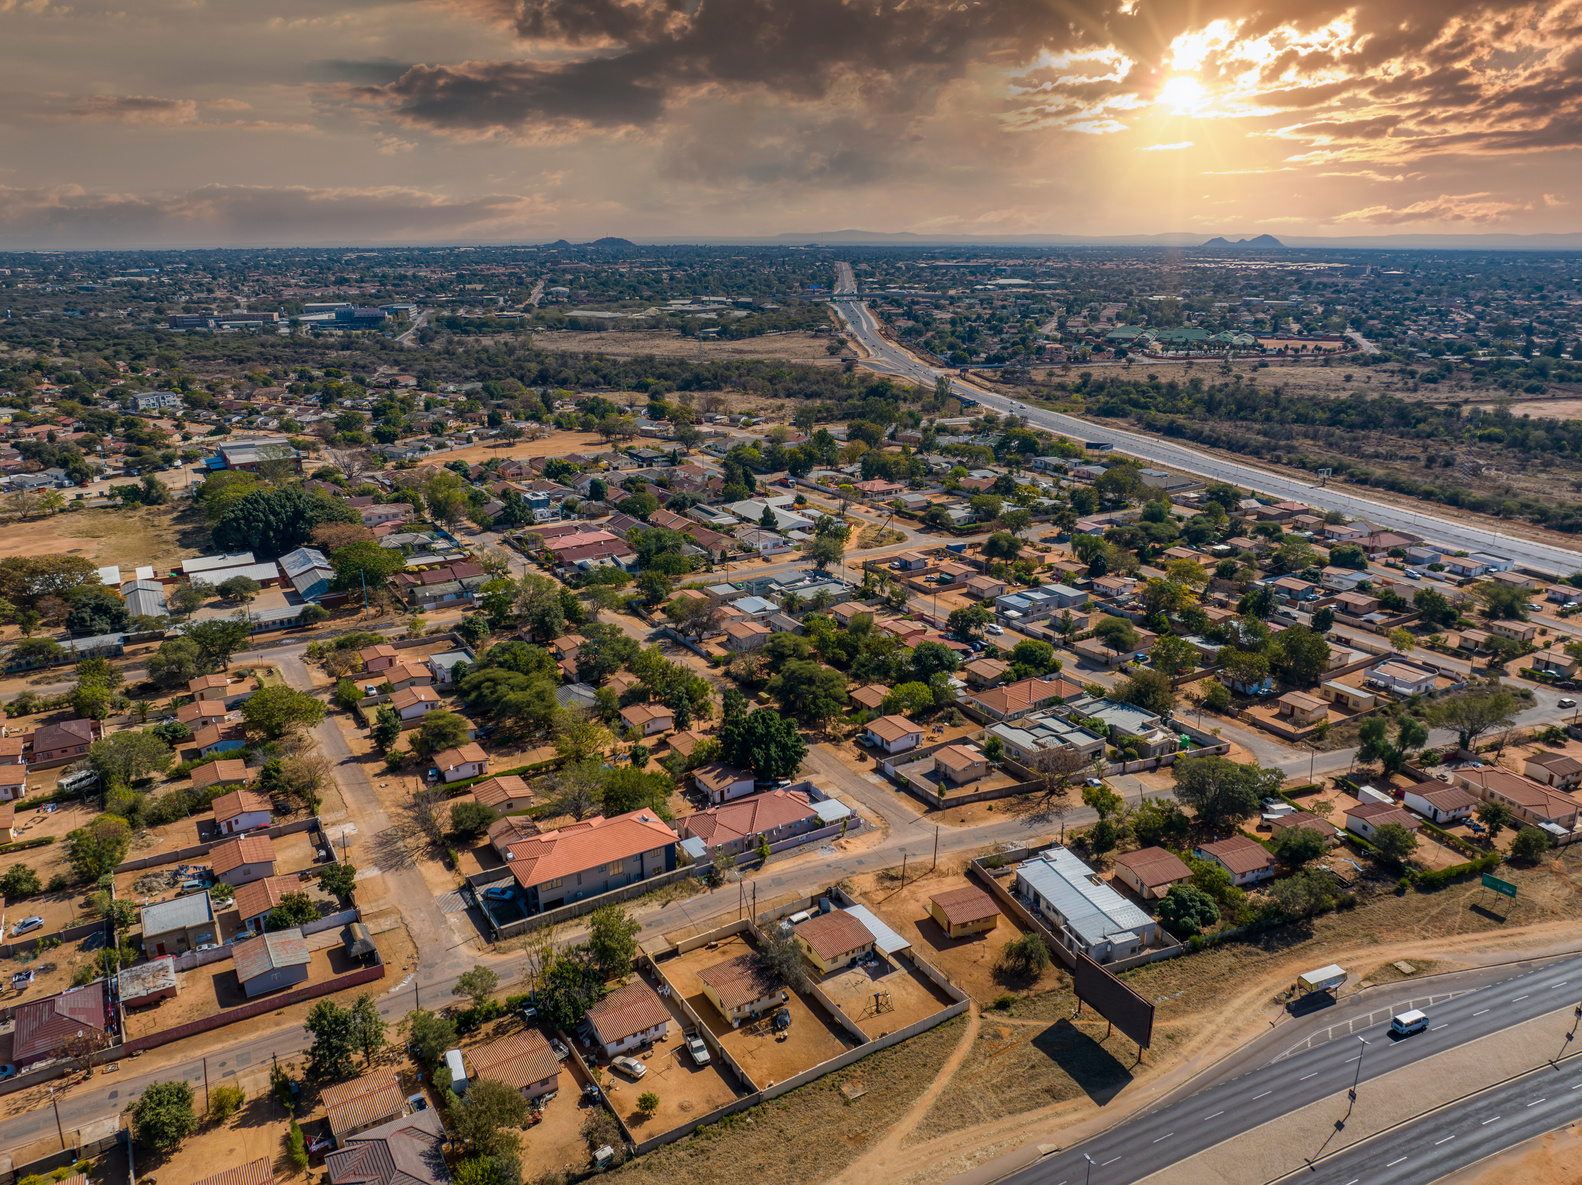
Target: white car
{"type": "Point", "coordinates": [995, 629]}
{"type": "Point", "coordinates": [26, 925]}
{"type": "Point", "coordinates": [1568, 702]}
{"type": "Point", "coordinates": [629, 1066]}
{"type": "Point", "coordinates": [1534, 608]}
{"type": "Point", "coordinates": [697, 1048]}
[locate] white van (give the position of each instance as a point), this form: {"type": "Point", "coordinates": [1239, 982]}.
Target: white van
{"type": "Point", "coordinates": [1408, 1023]}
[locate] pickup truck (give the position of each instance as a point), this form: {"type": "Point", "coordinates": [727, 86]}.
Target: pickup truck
{"type": "Point", "coordinates": [697, 1048]}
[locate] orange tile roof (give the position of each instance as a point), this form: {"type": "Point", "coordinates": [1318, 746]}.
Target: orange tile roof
{"type": "Point", "coordinates": [451, 758]}
{"type": "Point", "coordinates": [261, 896]}
{"type": "Point", "coordinates": [627, 1010]}
{"type": "Point", "coordinates": [408, 696]}
{"type": "Point", "coordinates": [747, 816]}
{"type": "Point", "coordinates": [229, 770]}
{"type": "Point", "coordinates": [739, 981]}
{"type": "Point", "coordinates": [964, 905]}
{"type": "Point", "coordinates": [834, 934]}
{"type": "Point", "coordinates": [240, 802]}
{"type": "Point", "coordinates": [1155, 866]}
{"type": "Point", "coordinates": [893, 728]}
{"type": "Point", "coordinates": [244, 849]}
{"type": "Point", "coordinates": [578, 847]}
{"type": "Point", "coordinates": [496, 792]}
{"type": "Point", "coordinates": [254, 1172]}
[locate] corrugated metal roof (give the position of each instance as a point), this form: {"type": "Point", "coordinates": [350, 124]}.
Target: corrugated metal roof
{"type": "Point", "coordinates": [270, 952]}
{"type": "Point", "coordinates": [884, 938]}
{"type": "Point", "coordinates": [254, 1172]}
{"type": "Point", "coordinates": [179, 913]}
{"type": "Point", "coordinates": [1093, 912]}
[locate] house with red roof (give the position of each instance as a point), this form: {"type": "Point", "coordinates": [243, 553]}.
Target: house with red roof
{"type": "Point", "coordinates": [596, 855]}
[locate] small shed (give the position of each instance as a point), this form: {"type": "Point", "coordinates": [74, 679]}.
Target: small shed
{"type": "Point", "coordinates": [148, 983]}
{"type": "Point", "coordinates": [963, 912]}
{"type": "Point", "coordinates": [358, 941]}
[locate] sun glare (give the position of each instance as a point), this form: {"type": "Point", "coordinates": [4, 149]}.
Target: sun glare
{"type": "Point", "coordinates": [1183, 94]}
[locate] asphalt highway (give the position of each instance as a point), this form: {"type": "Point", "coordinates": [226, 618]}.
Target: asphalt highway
{"type": "Point", "coordinates": [1335, 1053]}
{"type": "Point", "coordinates": [1460, 533]}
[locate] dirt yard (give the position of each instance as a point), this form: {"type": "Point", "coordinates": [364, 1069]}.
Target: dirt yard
{"type": "Point", "coordinates": [214, 988]}
{"type": "Point", "coordinates": [811, 1039]}
{"type": "Point", "coordinates": [769, 1145]}
{"type": "Point", "coordinates": [149, 535]}
{"type": "Point", "coordinates": [685, 1090]}
{"type": "Point", "coordinates": [256, 1131]}
{"type": "Point", "coordinates": [879, 1000]}
{"type": "Point", "coordinates": [968, 961]}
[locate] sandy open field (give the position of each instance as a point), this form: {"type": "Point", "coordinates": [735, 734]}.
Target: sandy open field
{"type": "Point", "coordinates": [809, 348]}
{"type": "Point", "coordinates": [150, 535]}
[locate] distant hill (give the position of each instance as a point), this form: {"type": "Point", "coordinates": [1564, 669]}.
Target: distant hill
{"type": "Point", "coordinates": [612, 241]}
{"type": "Point", "coordinates": [1262, 242]}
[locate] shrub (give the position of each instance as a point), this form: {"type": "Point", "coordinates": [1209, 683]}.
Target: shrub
{"type": "Point", "coordinates": [1004, 1002]}
{"type": "Point", "coordinates": [1529, 845]}
{"type": "Point", "coordinates": [224, 1101]}
{"type": "Point", "coordinates": [648, 1102]}
{"type": "Point", "coordinates": [298, 1146]}
{"type": "Point", "coordinates": [1024, 958]}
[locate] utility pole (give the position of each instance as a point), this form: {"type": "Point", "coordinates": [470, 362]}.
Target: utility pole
{"type": "Point", "coordinates": [205, 1085]}
{"type": "Point", "coordinates": [903, 870]}
{"type": "Point", "coordinates": [1357, 1077]}
{"type": "Point", "coordinates": [58, 1129]}
{"type": "Point", "coordinates": [936, 848]}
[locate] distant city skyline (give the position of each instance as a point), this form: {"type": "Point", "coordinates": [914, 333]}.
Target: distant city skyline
{"type": "Point", "coordinates": [391, 121]}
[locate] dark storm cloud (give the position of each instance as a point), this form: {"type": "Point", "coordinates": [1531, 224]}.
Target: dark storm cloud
{"type": "Point", "coordinates": [367, 72]}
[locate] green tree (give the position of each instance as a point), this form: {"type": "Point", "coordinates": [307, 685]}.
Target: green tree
{"type": "Point", "coordinates": [1158, 821]}
{"type": "Point", "coordinates": [1223, 792]}
{"type": "Point", "coordinates": [440, 731]}
{"type": "Point", "coordinates": [1149, 690]}
{"type": "Point", "coordinates": [369, 1029]}
{"type": "Point", "coordinates": [612, 940]}
{"type": "Point", "coordinates": [477, 985]}
{"type": "Point", "coordinates": [1186, 910]}
{"type": "Point", "coordinates": [365, 565]}
{"type": "Point", "coordinates": [1116, 633]}
{"type": "Point", "coordinates": [1529, 845]}
{"type": "Point", "coordinates": [274, 521]}
{"type": "Point", "coordinates": [1474, 712]}
{"type": "Point", "coordinates": [571, 985]}
{"type": "Point", "coordinates": [20, 882]}
{"type": "Point", "coordinates": [295, 909]}
{"type": "Point", "coordinates": [765, 742]}
{"type": "Point", "coordinates": [1305, 893]}
{"type": "Point", "coordinates": [163, 1115]}
{"type": "Point", "coordinates": [387, 727]}
{"type": "Point", "coordinates": [969, 621]}
{"type": "Point", "coordinates": [339, 878]}
{"type": "Point", "coordinates": [431, 1035]}
{"type": "Point", "coordinates": [96, 849]}
{"type": "Point", "coordinates": [486, 1121]}
{"type": "Point", "coordinates": [1302, 655]}
{"type": "Point", "coordinates": [275, 710]}
{"type": "Point", "coordinates": [176, 663]}
{"type": "Point", "coordinates": [1495, 816]}
{"type": "Point", "coordinates": [909, 699]}
{"type": "Point", "coordinates": [469, 820]}
{"type": "Point", "coordinates": [809, 689]}
{"type": "Point", "coordinates": [126, 757]}
{"type": "Point", "coordinates": [334, 1033]}
{"type": "Point", "coordinates": [217, 639]}
{"type": "Point", "coordinates": [1039, 656]}
{"type": "Point", "coordinates": [224, 1101]}
{"type": "Point", "coordinates": [1395, 843]}
{"type": "Point", "coordinates": [1173, 656]}
{"type": "Point", "coordinates": [1298, 846]}
{"type": "Point", "coordinates": [648, 1102]}
{"type": "Point", "coordinates": [1023, 959]}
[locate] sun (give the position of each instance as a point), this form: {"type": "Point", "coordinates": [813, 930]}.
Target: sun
{"type": "Point", "coordinates": [1183, 94]}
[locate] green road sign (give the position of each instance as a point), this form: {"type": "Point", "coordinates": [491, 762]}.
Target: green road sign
{"type": "Point", "coordinates": [1504, 888]}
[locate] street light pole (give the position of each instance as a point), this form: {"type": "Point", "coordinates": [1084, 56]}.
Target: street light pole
{"type": "Point", "coordinates": [1357, 1077]}
{"type": "Point", "coordinates": [1089, 1159]}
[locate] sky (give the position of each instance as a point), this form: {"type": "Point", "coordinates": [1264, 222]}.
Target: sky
{"type": "Point", "coordinates": [229, 122]}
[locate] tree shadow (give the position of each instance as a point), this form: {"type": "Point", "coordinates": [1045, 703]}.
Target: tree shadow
{"type": "Point", "coordinates": [1084, 1060]}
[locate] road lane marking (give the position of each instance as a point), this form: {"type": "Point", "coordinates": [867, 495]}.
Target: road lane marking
{"type": "Point", "coordinates": [1108, 1162]}
{"type": "Point", "coordinates": [1518, 998]}
{"type": "Point", "coordinates": [1166, 1136]}
{"type": "Point", "coordinates": [1480, 1013]}
{"type": "Point", "coordinates": [1535, 1102]}
{"type": "Point", "coordinates": [1349, 1060]}
{"type": "Point", "coordinates": [1305, 1077]}
{"type": "Point", "coordinates": [1256, 1097]}
{"type": "Point", "coordinates": [1393, 1163]}
{"type": "Point", "coordinates": [1552, 986]}
{"type": "Point", "coordinates": [1486, 1122]}
{"type": "Point", "coordinates": [1446, 1140]}
{"type": "Point", "coordinates": [1217, 1114]}
{"type": "Point", "coordinates": [1436, 1028]}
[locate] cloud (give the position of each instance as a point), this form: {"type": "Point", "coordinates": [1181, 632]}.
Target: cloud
{"type": "Point", "coordinates": [1176, 147]}
{"type": "Point", "coordinates": [1474, 208]}
{"type": "Point", "coordinates": [141, 109]}
{"type": "Point", "coordinates": [72, 216]}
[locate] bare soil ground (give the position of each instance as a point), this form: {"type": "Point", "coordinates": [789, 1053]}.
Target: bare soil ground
{"type": "Point", "coordinates": [808, 348]}
{"type": "Point", "coordinates": [878, 1004]}
{"type": "Point", "coordinates": [769, 1145]}
{"type": "Point", "coordinates": [969, 962]}
{"type": "Point", "coordinates": [811, 1039]}
{"type": "Point", "coordinates": [214, 988]}
{"type": "Point", "coordinates": [149, 535]}
{"type": "Point", "coordinates": [256, 1131]}
{"type": "Point", "coordinates": [1552, 1159]}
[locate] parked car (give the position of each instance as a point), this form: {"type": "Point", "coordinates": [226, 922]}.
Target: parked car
{"type": "Point", "coordinates": [1413, 574]}
{"type": "Point", "coordinates": [417, 1102]}
{"type": "Point", "coordinates": [1568, 702]}
{"type": "Point", "coordinates": [1533, 607]}
{"type": "Point", "coordinates": [561, 1050]}
{"type": "Point", "coordinates": [7, 1071]}
{"type": "Point", "coordinates": [26, 925]}
{"type": "Point", "coordinates": [996, 630]}
{"type": "Point", "coordinates": [629, 1066]}
{"type": "Point", "coordinates": [697, 1048]}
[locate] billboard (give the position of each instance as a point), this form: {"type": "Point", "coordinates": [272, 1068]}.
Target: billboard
{"type": "Point", "coordinates": [1113, 1000]}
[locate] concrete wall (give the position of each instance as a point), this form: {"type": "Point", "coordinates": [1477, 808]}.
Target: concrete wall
{"type": "Point", "coordinates": [577, 908]}
{"type": "Point", "coordinates": [70, 934]}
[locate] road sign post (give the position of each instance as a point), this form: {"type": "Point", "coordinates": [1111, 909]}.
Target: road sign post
{"type": "Point", "coordinates": [1503, 888]}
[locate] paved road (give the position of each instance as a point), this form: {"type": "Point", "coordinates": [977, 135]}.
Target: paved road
{"type": "Point", "coordinates": [1459, 1135]}
{"type": "Point", "coordinates": [1463, 534]}
{"type": "Point", "coordinates": [1316, 1058]}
